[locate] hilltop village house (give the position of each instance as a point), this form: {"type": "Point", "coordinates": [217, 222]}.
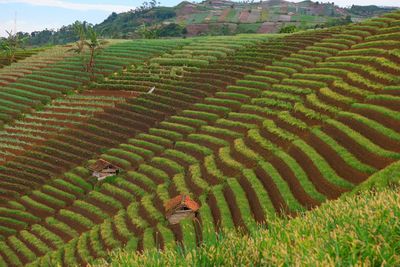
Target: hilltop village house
{"type": "Point", "coordinates": [103, 169]}
{"type": "Point", "coordinates": [180, 208]}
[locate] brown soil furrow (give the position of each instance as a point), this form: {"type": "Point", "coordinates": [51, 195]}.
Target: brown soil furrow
{"type": "Point", "coordinates": [390, 104]}
{"type": "Point", "coordinates": [335, 161]}
{"type": "Point", "coordinates": [233, 208]}
{"type": "Point", "coordinates": [373, 135]}
{"type": "Point", "coordinates": [215, 212]}
{"type": "Point", "coordinates": [158, 239]}
{"type": "Point", "coordinates": [254, 202]}
{"type": "Point", "coordinates": [356, 149]}
{"type": "Point", "coordinates": [294, 184]}
{"type": "Point", "coordinates": [316, 177]}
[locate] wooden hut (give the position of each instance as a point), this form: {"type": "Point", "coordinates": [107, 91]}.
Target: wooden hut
{"type": "Point", "coordinates": [179, 208]}
{"type": "Point", "coordinates": [103, 169]}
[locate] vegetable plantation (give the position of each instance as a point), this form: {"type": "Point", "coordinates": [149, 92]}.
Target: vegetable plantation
{"type": "Point", "coordinates": [250, 126]}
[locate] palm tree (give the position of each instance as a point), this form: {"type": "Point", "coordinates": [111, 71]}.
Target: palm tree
{"type": "Point", "coordinates": [94, 45]}
{"type": "Point", "coordinates": [80, 29]}
{"type": "Point", "coordinates": [11, 44]}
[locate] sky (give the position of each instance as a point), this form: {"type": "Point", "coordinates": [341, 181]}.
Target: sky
{"type": "Point", "coordinates": [32, 15]}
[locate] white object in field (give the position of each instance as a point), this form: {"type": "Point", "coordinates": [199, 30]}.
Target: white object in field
{"type": "Point", "coordinates": [104, 174]}
{"type": "Point", "coordinates": [151, 90]}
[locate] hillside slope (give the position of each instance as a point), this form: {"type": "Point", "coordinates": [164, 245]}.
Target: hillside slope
{"type": "Point", "coordinates": [353, 230]}
{"type": "Point", "coordinates": [249, 126]}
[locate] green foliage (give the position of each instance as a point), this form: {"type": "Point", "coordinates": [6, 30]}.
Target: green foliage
{"type": "Point", "coordinates": [153, 172]}
{"type": "Point", "coordinates": [171, 30]}
{"type": "Point", "coordinates": [167, 235]}
{"type": "Point", "coordinates": [288, 29]}
{"type": "Point", "coordinates": [10, 45]}
{"type": "Point", "coordinates": [388, 177]}
{"type": "Point", "coordinates": [61, 226]}
{"type": "Point", "coordinates": [44, 233]}
{"type": "Point", "coordinates": [148, 239]}
{"type": "Point", "coordinates": [190, 147]}
{"type": "Point", "coordinates": [225, 156]}
{"type": "Point", "coordinates": [180, 155]}
{"type": "Point", "coordinates": [107, 235]}
{"type": "Point", "coordinates": [195, 176]}
{"type": "Point", "coordinates": [20, 247]}
{"type": "Point", "coordinates": [106, 199]}
{"type": "Point", "coordinates": [90, 208]}
{"type": "Point", "coordinates": [36, 242]}
{"type": "Point", "coordinates": [82, 248]}
{"type": "Point", "coordinates": [37, 205]}
{"type": "Point", "coordinates": [226, 217]}
{"type": "Point", "coordinates": [147, 202]}
{"type": "Point", "coordinates": [212, 168]}
{"type": "Point", "coordinates": [80, 30]}
{"type": "Point", "coordinates": [76, 217]}
{"type": "Point", "coordinates": [146, 32]}
{"type": "Point", "coordinates": [79, 181]}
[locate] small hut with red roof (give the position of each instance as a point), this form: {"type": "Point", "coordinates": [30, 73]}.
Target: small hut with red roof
{"type": "Point", "coordinates": [179, 208]}
{"type": "Point", "coordinates": [103, 169]}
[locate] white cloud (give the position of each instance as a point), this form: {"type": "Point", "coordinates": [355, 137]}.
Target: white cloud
{"type": "Point", "coordinates": [73, 6]}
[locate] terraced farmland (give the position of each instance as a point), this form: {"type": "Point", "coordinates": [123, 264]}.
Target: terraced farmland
{"type": "Point", "coordinates": [249, 126]}
{"type": "Point", "coordinates": [20, 54]}
{"type": "Point", "coordinates": [27, 65]}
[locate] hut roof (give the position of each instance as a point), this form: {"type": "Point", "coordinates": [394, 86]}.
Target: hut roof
{"type": "Point", "coordinates": [181, 200]}
{"type": "Point", "coordinates": [101, 164]}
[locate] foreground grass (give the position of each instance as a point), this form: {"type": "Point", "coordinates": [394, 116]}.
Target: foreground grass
{"type": "Point", "coordinates": [361, 229]}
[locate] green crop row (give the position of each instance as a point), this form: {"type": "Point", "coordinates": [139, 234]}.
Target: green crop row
{"type": "Point", "coordinates": [196, 177]}
{"type": "Point", "coordinates": [105, 199]}
{"type": "Point", "coordinates": [10, 254]}
{"type": "Point", "coordinates": [48, 235]}
{"type": "Point", "coordinates": [343, 152]}
{"type": "Point", "coordinates": [373, 124]}
{"type": "Point", "coordinates": [363, 141]}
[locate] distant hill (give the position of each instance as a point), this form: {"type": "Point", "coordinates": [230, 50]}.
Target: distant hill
{"type": "Point", "coordinates": [228, 17]}
{"type": "Point", "coordinates": [217, 17]}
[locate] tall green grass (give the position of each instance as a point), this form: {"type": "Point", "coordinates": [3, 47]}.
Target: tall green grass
{"type": "Point", "coordinates": [358, 230]}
